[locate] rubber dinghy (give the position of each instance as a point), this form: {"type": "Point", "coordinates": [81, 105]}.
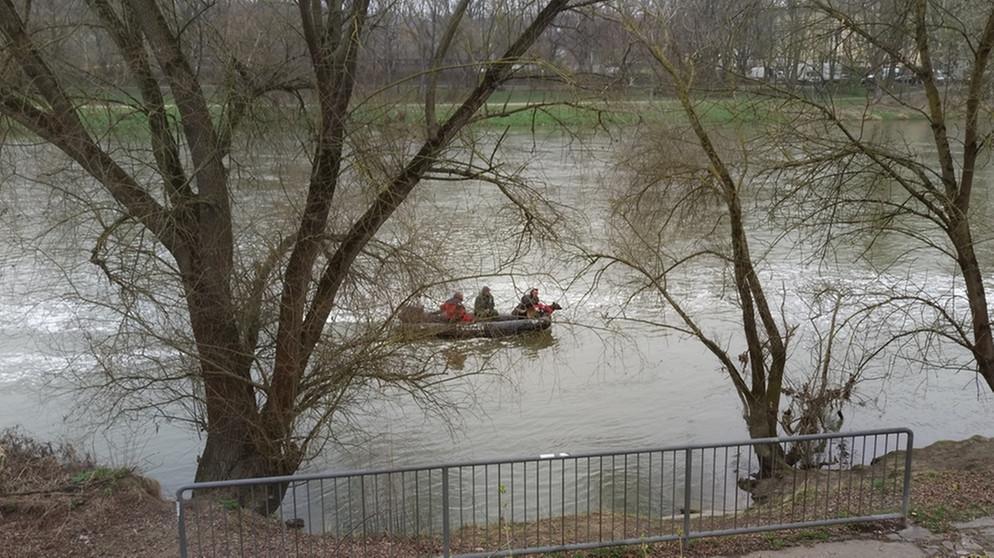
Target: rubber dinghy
{"type": "Point", "coordinates": [432, 324]}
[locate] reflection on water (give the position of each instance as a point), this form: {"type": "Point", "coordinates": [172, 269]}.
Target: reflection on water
{"type": "Point", "coordinates": [537, 341]}
{"type": "Point", "coordinates": [455, 358]}
{"type": "Point", "coordinates": [529, 344]}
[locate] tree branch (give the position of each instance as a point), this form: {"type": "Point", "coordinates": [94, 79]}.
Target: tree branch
{"type": "Point", "coordinates": [195, 116]}
{"type": "Point", "coordinates": [126, 36]}
{"type": "Point", "coordinates": [390, 199]}
{"type": "Point", "coordinates": [81, 148]}
{"type": "Point", "coordinates": [436, 62]}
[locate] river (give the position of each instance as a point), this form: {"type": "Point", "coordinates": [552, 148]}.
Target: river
{"type": "Point", "coordinates": [583, 387]}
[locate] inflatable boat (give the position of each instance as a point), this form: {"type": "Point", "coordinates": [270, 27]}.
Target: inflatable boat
{"type": "Point", "coordinates": [433, 324]}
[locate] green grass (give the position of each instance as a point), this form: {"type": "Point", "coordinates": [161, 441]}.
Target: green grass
{"type": "Point", "coordinates": [812, 535]}
{"type": "Point", "coordinates": [507, 109]}
{"type": "Point", "coordinates": [774, 541]}
{"type": "Point", "coordinates": [935, 519]}
{"type": "Point", "coordinates": [587, 116]}
{"type": "Point", "coordinates": [118, 120]}
{"type": "Point", "coordinates": [99, 474]}
{"type": "Point", "coordinates": [940, 517]}
{"type": "Point", "coordinates": [502, 96]}
{"type": "Point", "coordinates": [229, 504]}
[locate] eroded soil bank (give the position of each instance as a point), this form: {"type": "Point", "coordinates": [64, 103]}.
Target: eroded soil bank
{"type": "Point", "coordinates": [56, 502]}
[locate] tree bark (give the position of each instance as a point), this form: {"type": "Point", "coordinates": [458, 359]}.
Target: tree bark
{"type": "Point", "coordinates": [431, 124]}
{"type": "Point", "coordinates": [761, 425]}
{"type": "Point", "coordinates": [966, 258]}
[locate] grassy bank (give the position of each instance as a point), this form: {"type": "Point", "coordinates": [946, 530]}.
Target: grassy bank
{"type": "Point", "coordinates": [515, 111]}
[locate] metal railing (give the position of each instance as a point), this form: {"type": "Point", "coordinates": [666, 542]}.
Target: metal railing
{"type": "Point", "coordinates": [557, 501]}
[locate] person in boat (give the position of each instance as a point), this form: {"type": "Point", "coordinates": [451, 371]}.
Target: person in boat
{"type": "Point", "coordinates": [527, 306]}
{"type": "Point", "coordinates": [483, 305]}
{"type": "Point", "coordinates": [531, 307]}
{"type": "Point", "coordinates": [454, 311]}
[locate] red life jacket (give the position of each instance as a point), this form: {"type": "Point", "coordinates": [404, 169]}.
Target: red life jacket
{"type": "Point", "coordinates": [454, 311]}
{"type": "Point", "coordinates": [544, 308]}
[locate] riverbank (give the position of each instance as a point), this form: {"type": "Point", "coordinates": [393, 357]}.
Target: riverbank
{"type": "Point", "coordinates": [540, 110]}
{"type": "Point", "coordinates": [55, 501]}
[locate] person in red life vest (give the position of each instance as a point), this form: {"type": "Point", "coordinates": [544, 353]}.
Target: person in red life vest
{"type": "Point", "coordinates": [454, 311]}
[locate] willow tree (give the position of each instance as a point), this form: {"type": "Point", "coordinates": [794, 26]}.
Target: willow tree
{"type": "Point", "coordinates": [684, 216]}
{"type": "Point", "coordinates": [674, 182]}
{"type": "Point", "coordinates": [267, 370]}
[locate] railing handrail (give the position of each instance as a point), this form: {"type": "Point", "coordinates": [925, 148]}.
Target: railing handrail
{"type": "Point", "coordinates": [684, 533]}
{"type": "Point", "coordinates": [532, 458]}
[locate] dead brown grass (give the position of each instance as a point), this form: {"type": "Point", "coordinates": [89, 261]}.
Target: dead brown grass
{"type": "Point", "coordinates": [55, 502]}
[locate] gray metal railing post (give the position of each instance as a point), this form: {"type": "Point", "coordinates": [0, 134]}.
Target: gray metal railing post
{"type": "Point", "coordinates": [688, 464]}
{"type": "Point", "coordinates": [906, 498]}
{"type": "Point", "coordinates": [445, 512]}
{"type": "Point", "coordinates": [181, 519]}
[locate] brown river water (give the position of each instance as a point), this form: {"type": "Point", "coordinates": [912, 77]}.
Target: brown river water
{"type": "Point", "coordinates": [581, 387]}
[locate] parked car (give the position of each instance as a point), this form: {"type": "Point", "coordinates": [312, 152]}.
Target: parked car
{"type": "Point", "coordinates": [906, 77]}
{"type": "Point", "coordinates": [900, 75]}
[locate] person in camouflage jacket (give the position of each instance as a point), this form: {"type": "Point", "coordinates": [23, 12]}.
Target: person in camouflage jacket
{"type": "Point", "coordinates": [483, 305]}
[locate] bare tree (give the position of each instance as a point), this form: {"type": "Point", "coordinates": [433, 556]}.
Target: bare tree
{"type": "Point", "coordinates": [268, 370]}
{"type": "Point", "coordinates": [682, 218]}
{"type": "Point", "coordinates": [757, 374]}
{"type": "Point", "coordinates": [855, 179]}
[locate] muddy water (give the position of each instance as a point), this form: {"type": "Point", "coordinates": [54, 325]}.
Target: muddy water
{"type": "Point", "coordinates": [581, 387]}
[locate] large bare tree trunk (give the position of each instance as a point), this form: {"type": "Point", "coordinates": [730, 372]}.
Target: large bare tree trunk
{"type": "Point", "coordinates": [762, 424]}
{"type": "Point", "coordinates": [252, 424]}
